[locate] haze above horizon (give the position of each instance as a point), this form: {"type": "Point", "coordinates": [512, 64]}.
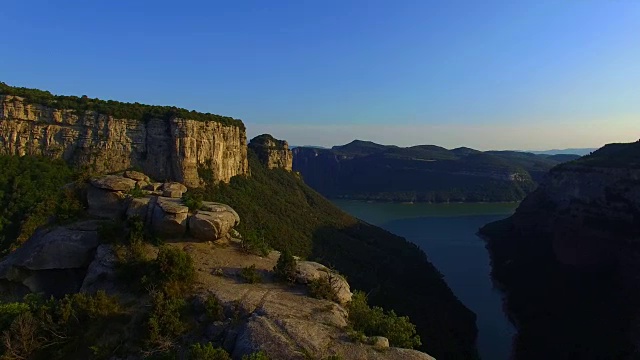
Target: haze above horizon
{"type": "Point", "coordinates": [530, 75]}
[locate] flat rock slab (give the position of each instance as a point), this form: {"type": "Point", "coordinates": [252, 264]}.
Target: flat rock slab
{"type": "Point", "coordinates": [114, 183]}
{"type": "Point", "coordinates": [220, 207]}
{"type": "Point", "coordinates": [174, 186]}
{"type": "Point", "coordinates": [136, 175]}
{"type": "Point", "coordinates": [172, 194]}
{"type": "Point", "coordinates": [172, 206]}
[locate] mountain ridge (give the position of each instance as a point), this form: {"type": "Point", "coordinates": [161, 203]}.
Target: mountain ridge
{"type": "Point", "coordinates": [421, 173]}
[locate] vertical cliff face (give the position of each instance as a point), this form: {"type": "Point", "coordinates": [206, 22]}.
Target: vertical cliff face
{"type": "Point", "coordinates": [166, 149]}
{"type": "Point", "coordinates": [569, 260]}
{"type": "Point", "coordinates": [273, 153]}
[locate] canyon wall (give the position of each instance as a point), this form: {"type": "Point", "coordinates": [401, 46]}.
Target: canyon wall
{"type": "Point", "coordinates": [273, 153]}
{"type": "Point", "coordinates": [166, 149]}
{"type": "Point", "coordinates": [568, 260]}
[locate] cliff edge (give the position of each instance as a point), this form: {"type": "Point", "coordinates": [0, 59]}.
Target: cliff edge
{"type": "Point", "coordinates": [169, 145]}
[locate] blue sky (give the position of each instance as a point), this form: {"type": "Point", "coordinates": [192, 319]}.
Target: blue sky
{"type": "Point", "coordinates": [486, 74]}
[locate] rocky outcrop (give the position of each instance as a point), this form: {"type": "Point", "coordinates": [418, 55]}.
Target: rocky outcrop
{"type": "Point", "coordinates": [169, 219]}
{"type": "Point", "coordinates": [282, 321]}
{"type": "Point", "coordinates": [52, 261]}
{"type": "Point", "coordinates": [165, 149]}
{"type": "Point", "coordinates": [569, 260]}
{"type": "Point", "coordinates": [273, 153]}
{"type": "Point", "coordinates": [101, 273]}
{"type": "Point", "coordinates": [66, 259]}
{"type": "Point", "coordinates": [308, 271]}
{"type": "Point", "coordinates": [213, 221]}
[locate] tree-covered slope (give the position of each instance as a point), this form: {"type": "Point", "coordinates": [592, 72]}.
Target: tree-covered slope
{"type": "Point", "coordinates": [30, 193]}
{"type": "Point", "coordinates": [423, 173]}
{"type": "Point", "coordinates": [117, 109]}
{"type": "Point", "coordinates": [397, 274]}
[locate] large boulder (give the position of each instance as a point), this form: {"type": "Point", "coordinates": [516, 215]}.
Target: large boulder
{"type": "Point", "coordinates": [211, 225]}
{"type": "Point", "coordinates": [114, 183]}
{"type": "Point", "coordinates": [52, 261]}
{"type": "Point", "coordinates": [174, 186]}
{"type": "Point", "coordinates": [169, 218]}
{"type": "Point", "coordinates": [308, 271]}
{"type": "Point", "coordinates": [138, 208]}
{"type": "Point", "coordinates": [105, 196]}
{"type": "Point", "coordinates": [101, 274]}
{"type": "Point", "coordinates": [136, 175]}
{"type": "Point", "coordinates": [220, 207]}
{"type": "Point", "coordinates": [105, 203]}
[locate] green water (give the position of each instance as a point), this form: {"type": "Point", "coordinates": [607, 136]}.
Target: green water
{"type": "Point", "coordinates": [447, 233]}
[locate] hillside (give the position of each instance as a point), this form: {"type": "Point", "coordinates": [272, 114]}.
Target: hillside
{"type": "Point", "coordinates": [568, 259]}
{"type": "Point", "coordinates": [424, 173]}
{"type": "Point", "coordinates": [211, 156]}
{"type": "Point", "coordinates": [395, 273]}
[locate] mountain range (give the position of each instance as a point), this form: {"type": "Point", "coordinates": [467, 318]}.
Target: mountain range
{"type": "Point", "coordinates": [365, 170]}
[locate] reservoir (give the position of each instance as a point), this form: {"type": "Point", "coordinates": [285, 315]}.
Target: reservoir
{"type": "Point", "coordinates": [447, 233]}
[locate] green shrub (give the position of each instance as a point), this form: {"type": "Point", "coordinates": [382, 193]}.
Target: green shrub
{"type": "Point", "coordinates": [213, 308]}
{"type": "Point", "coordinates": [253, 242]}
{"type": "Point", "coordinates": [207, 352]}
{"type": "Point", "coordinates": [165, 321]}
{"type": "Point", "coordinates": [324, 287]}
{"type": "Point", "coordinates": [286, 267]}
{"type": "Point", "coordinates": [250, 275]}
{"type": "Point", "coordinates": [71, 327]}
{"type": "Point", "coordinates": [260, 355]}
{"type": "Point", "coordinates": [174, 268]}
{"type": "Point", "coordinates": [375, 322]}
{"type": "Point", "coordinates": [9, 311]}
{"type": "Point", "coordinates": [136, 192]}
{"type": "Point", "coordinates": [193, 200]}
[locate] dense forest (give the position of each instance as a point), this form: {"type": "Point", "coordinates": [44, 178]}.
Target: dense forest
{"type": "Point", "coordinates": [117, 109]}
{"type": "Point", "coordinates": [31, 194]}
{"type": "Point", "coordinates": [426, 173]}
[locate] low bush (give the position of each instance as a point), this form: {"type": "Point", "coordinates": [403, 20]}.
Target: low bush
{"type": "Point", "coordinates": [70, 327]}
{"type": "Point", "coordinates": [324, 287]}
{"type": "Point", "coordinates": [286, 267]}
{"type": "Point", "coordinates": [174, 270]}
{"type": "Point", "coordinates": [254, 242]}
{"type": "Point", "coordinates": [207, 352]}
{"type": "Point", "coordinates": [213, 308]}
{"type": "Point", "coordinates": [260, 355]}
{"type": "Point", "coordinates": [193, 200]}
{"type": "Point", "coordinates": [136, 192]}
{"type": "Point", "coordinates": [250, 275]}
{"type": "Point", "coordinates": [165, 322]}
{"type": "Point", "coordinates": [374, 321]}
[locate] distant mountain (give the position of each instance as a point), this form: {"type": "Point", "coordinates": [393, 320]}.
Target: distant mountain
{"type": "Point", "coordinates": [580, 151]}
{"type": "Point", "coordinates": [423, 173]}
{"type": "Point", "coordinates": [308, 146]}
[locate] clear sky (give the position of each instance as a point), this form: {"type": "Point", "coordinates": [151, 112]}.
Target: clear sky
{"type": "Point", "coordinates": [510, 74]}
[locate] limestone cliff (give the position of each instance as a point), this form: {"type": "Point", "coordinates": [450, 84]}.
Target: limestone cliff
{"type": "Point", "coordinates": [273, 153]}
{"type": "Point", "coordinates": [165, 148]}
{"type": "Point", "coordinates": [569, 259]}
